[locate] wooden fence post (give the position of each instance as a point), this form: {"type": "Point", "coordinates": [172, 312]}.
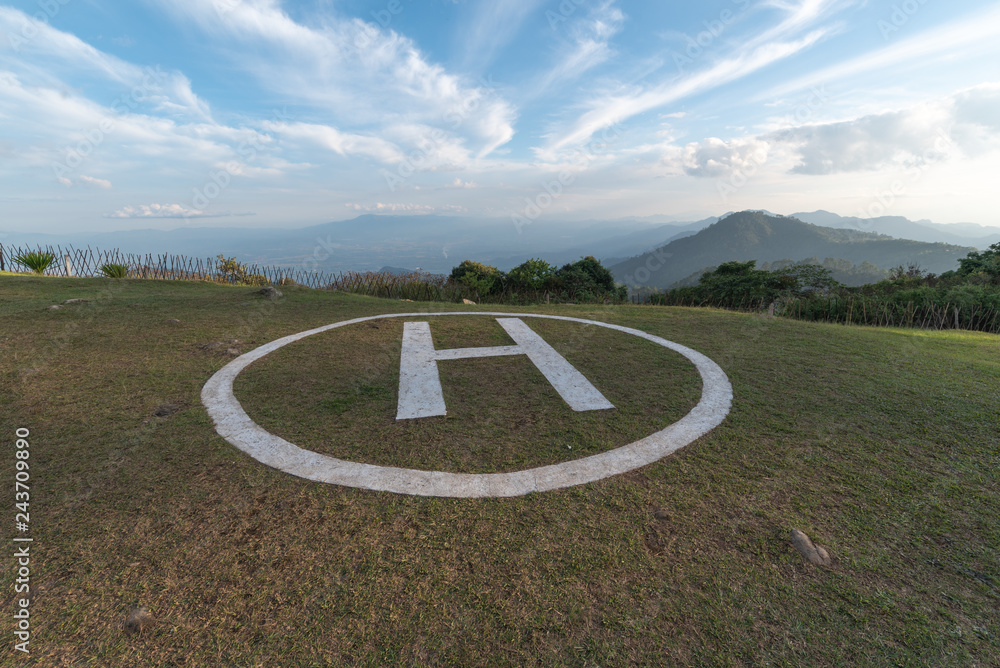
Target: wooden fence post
{"type": "Point", "coordinates": [69, 264]}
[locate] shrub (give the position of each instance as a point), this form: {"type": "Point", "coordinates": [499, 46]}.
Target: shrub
{"type": "Point", "coordinates": [114, 270]}
{"type": "Point", "coordinates": [36, 261]}
{"type": "Point", "coordinates": [481, 278]}
{"type": "Point", "coordinates": [231, 271]}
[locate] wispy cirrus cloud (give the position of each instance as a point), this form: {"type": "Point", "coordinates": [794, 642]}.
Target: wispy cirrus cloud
{"type": "Point", "coordinates": [52, 55]}
{"type": "Point", "coordinates": [587, 45]}
{"type": "Point", "coordinates": [353, 71]}
{"type": "Point", "coordinates": [950, 39]}
{"type": "Point", "coordinates": [616, 109]}
{"type": "Point", "coordinates": [491, 27]}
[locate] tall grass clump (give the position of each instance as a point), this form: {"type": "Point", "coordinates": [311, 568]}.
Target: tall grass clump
{"type": "Point", "coordinates": [114, 270]}
{"type": "Point", "coordinates": [36, 261]}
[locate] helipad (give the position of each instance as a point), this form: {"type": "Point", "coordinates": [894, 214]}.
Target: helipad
{"type": "Point", "coordinates": [233, 424]}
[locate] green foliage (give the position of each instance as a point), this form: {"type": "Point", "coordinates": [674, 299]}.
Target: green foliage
{"type": "Point", "coordinates": [741, 284]}
{"type": "Point", "coordinates": [587, 278]}
{"type": "Point", "coordinates": [482, 279]}
{"type": "Point", "coordinates": [114, 270]}
{"type": "Point", "coordinates": [532, 274]}
{"type": "Point", "coordinates": [36, 261]}
{"type": "Point", "coordinates": [231, 271]}
{"type": "Point", "coordinates": [910, 297]}
{"type": "Point", "coordinates": [984, 266]}
{"type": "Point", "coordinates": [536, 280]}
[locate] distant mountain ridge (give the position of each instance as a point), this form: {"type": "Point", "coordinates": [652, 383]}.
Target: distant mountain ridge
{"type": "Point", "coordinates": [438, 243]}
{"type": "Point", "coordinates": [967, 234]}
{"type": "Point", "coordinates": [755, 235]}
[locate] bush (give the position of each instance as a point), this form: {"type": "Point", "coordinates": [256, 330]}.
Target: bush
{"type": "Point", "coordinates": [482, 279]}
{"type": "Point", "coordinates": [231, 271]}
{"type": "Point", "coordinates": [114, 270]}
{"type": "Point", "coordinates": [36, 261]}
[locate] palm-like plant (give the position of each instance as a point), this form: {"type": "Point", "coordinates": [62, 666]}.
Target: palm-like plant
{"type": "Point", "coordinates": [114, 270]}
{"type": "Point", "coordinates": [36, 261]}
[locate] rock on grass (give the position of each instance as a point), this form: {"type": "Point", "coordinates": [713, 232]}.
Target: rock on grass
{"type": "Point", "coordinates": [812, 553]}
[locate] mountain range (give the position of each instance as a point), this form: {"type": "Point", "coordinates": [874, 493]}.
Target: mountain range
{"type": "Point", "coordinates": [438, 243]}
{"type": "Point", "coordinates": [764, 237]}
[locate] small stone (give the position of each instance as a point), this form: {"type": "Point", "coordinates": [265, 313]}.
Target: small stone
{"type": "Point", "coordinates": [234, 352]}
{"type": "Point", "coordinates": [244, 303]}
{"type": "Point", "coordinates": [174, 321]}
{"type": "Point", "coordinates": [55, 307]}
{"type": "Point", "coordinates": [814, 554]}
{"type": "Point", "coordinates": [139, 620]}
{"type": "Point", "coordinates": [468, 301]}
{"type": "Point", "coordinates": [164, 410]}
{"type": "Point", "coordinates": [271, 292]}
{"type": "Point", "coordinates": [74, 301]}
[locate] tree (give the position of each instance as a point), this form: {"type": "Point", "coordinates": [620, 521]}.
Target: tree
{"type": "Point", "coordinates": [985, 264]}
{"type": "Point", "coordinates": [482, 278]}
{"type": "Point", "coordinates": [588, 277]}
{"type": "Point", "coordinates": [532, 274]}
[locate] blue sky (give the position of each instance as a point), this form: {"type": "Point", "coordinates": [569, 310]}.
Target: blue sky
{"type": "Point", "coordinates": [171, 113]}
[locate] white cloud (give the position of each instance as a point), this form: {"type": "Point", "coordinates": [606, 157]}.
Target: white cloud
{"type": "Point", "coordinates": [392, 207]}
{"type": "Point", "coordinates": [342, 143]}
{"type": "Point", "coordinates": [353, 71]}
{"type": "Point", "coordinates": [97, 183]}
{"type": "Point", "coordinates": [964, 123]}
{"type": "Point", "coordinates": [587, 47]}
{"type": "Point", "coordinates": [51, 51]}
{"type": "Point", "coordinates": [492, 27]}
{"type": "Point", "coordinates": [930, 132]}
{"type": "Point", "coordinates": [617, 109]}
{"type": "Point", "coordinates": [715, 157]}
{"type": "Point", "coordinates": [946, 40]}
{"type": "Point", "coordinates": [157, 211]}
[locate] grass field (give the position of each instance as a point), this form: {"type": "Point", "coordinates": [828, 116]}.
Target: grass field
{"type": "Point", "coordinates": [882, 445]}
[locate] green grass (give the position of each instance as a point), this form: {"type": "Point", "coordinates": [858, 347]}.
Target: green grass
{"type": "Point", "coordinates": [881, 444]}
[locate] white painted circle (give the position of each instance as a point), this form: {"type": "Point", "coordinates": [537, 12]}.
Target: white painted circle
{"type": "Point", "coordinates": [234, 425]}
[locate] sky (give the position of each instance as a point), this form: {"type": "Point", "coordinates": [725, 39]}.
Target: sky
{"type": "Point", "coordinates": [269, 113]}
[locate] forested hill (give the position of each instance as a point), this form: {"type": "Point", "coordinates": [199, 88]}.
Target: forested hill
{"type": "Point", "coordinates": [754, 235]}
